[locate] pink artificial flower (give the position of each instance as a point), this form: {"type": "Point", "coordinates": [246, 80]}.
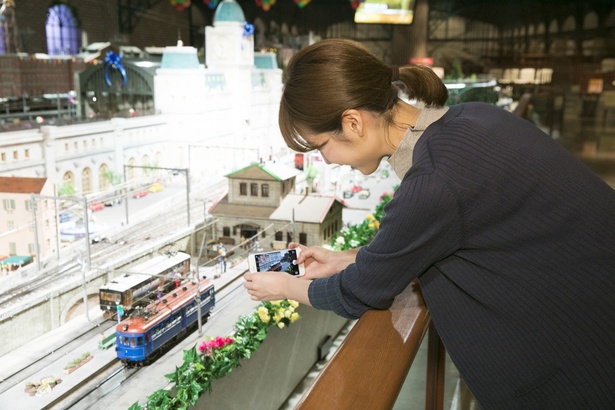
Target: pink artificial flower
{"type": "Point", "coordinates": [219, 342]}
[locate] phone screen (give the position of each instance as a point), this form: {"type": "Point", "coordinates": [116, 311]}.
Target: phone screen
{"type": "Point", "coordinates": [279, 261]}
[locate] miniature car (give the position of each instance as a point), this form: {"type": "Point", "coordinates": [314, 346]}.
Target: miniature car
{"type": "Point", "coordinates": [364, 194]}
{"type": "Point", "coordinates": [96, 206]}
{"type": "Point", "coordinates": [140, 194]}
{"type": "Point", "coordinates": [156, 187]}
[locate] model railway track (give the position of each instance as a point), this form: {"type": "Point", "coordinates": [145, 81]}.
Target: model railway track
{"type": "Point", "coordinates": [107, 378]}
{"type": "Point", "coordinates": [120, 248]}
{"type": "Point", "coordinates": [113, 374]}
{"type": "Point", "coordinates": [47, 356]}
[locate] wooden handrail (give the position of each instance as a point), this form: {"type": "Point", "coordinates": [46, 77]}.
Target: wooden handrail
{"type": "Point", "coordinates": [522, 106]}
{"type": "Point", "coordinates": [369, 368]}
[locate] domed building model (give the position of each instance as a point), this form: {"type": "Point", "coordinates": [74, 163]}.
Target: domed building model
{"type": "Point", "coordinates": [229, 42]}
{"type": "Point", "coordinates": [228, 12]}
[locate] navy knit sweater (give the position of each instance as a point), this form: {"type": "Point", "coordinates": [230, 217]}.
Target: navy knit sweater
{"type": "Point", "coordinates": [513, 242]}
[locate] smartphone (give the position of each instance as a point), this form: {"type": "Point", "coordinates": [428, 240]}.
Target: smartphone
{"type": "Point", "coordinates": [281, 261]}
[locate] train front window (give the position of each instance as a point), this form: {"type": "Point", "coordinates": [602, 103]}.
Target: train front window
{"type": "Point", "coordinates": [133, 342]}
{"type": "Point", "coordinates": [108, 296]}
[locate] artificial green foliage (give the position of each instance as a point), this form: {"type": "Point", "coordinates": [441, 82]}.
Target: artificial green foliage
{"type": "Point", "coordinates": [216, 357]}
{"type": "Point", "coordinates": [361, 234]}
{"type": "Point", "coordinates": [76, 361]}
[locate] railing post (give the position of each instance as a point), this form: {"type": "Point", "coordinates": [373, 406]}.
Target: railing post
{"type": "Point", "coordinates": [434, 390]}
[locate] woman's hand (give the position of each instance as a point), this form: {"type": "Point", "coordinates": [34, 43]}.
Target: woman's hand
{"type": "Point", "coordinates": [320, 262]}
{"type": "Point", "coordinates": [276, 286]}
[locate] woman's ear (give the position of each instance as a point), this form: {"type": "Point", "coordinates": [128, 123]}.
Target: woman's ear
{"type": "Point", "coordinates": [352, 123]}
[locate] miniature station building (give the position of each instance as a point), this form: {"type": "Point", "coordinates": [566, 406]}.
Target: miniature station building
{"type": "Point", "coordinates": [261, 206]}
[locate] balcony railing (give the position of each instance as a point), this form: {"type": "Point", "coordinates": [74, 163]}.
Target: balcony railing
{"type": "Point", "coordinates": [369, 368]}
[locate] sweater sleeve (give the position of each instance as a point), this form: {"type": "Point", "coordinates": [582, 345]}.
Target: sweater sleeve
{"type": "Point", "coordinates": [422, 225]}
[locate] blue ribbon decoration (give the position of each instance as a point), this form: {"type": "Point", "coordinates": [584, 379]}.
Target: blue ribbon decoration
{"type": "Point", "coordinates": [113, 60]}
{"type": "Point", "coordinates": [248, 29]}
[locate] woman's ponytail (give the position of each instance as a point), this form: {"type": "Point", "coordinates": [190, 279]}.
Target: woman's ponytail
{"type": "Point", "coordinates": [423, 84]}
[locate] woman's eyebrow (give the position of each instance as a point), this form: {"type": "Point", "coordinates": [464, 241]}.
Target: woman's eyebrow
{"type": "Point", "coordinates": [318, 146]}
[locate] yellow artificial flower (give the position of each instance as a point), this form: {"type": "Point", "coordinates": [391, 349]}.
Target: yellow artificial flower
{"type": "Point", "coordinates": [293, 303]}
{"type": "Point", "coordinates": [287, 313]}
{"type": "Point", "coordinates": [263, 314]}
{"type": "Point", "coordinates": [370, 217]}
{"type": "Point", "coordinates": [281, 325]}
{"type": "Point", "coordinates": [276, 302]}
{"type": "Point", "coordinates": [294, 317]}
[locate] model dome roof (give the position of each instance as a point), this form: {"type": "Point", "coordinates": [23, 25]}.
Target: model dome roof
{"type": "Point", "coordinates": [229, 11]}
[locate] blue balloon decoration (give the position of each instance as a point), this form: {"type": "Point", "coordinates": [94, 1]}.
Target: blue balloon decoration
{"type": "Point", "coordinates": [113, 60]}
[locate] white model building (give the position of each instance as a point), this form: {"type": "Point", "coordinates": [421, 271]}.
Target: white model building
{"type": "Point", "coordinates": [212, 119]}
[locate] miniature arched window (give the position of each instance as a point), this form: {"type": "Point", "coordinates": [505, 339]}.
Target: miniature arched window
{"type": "Point", "coordinates": [86, 180]}
{"type": "Point", "coordinates": [63, 36]}
{"type": "Point", "coordinates": [104, 175]}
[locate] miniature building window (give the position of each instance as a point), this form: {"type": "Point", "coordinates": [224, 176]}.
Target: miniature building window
{"type": "Point", "coordinates": [265, 190]}
{"type": "Point", "coordinates": [86, 180]}
{"type": "Point", "coordinates": [66, 147]}
{"type": "Point", "coordinates": [26, 153]}
{"type": "Point", "coordinates": [303, 238]}
{"type": "Point", "coordinates": [226, 231]}
{"type": "Point", "coordinates": [63, 36]}
{"type": "Point", "coordinates": [12, 248]}
{"type": "Point", "coordinates": [10, 225]}
{"type": "Point", "coordinates": [243, 188]}
{"type": "Point", "coordinates": [253, 189]}
{"type": "Point", "coordinates": [279, 235]}
{"type": "Point", "coordinates": [8, 204]}
{"type": "Point", "coordinates": [27, 204]}
{"type": "Point", "coordinates": [3, 156]}
{"type": "Point", "coordinates": [31, 249]}
{"type": "Point", "coordinates": [15, 155]}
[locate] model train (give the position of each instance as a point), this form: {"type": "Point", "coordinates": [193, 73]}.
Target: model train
{"type": "Point", "coordinates": [141, 337]}
{"type": "Point", "coordinates": [138, 287]}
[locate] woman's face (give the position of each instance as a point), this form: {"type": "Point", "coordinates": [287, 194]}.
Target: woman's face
{"type": "Point", "coordinates": [360, 154]}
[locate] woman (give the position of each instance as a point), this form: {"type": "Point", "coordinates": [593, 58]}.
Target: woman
{"type": "Point", "coordinates": [511, 238]}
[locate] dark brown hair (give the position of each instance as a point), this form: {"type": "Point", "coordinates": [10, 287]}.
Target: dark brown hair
{"type": "Point", "coordinates": [325, 79]}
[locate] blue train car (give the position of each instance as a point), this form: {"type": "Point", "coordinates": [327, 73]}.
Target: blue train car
{"type": "Point", "coordinates": [140, 338]}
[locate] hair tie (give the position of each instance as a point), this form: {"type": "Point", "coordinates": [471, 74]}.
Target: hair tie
{"type": "Point", "coordinates": [394, 73]}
